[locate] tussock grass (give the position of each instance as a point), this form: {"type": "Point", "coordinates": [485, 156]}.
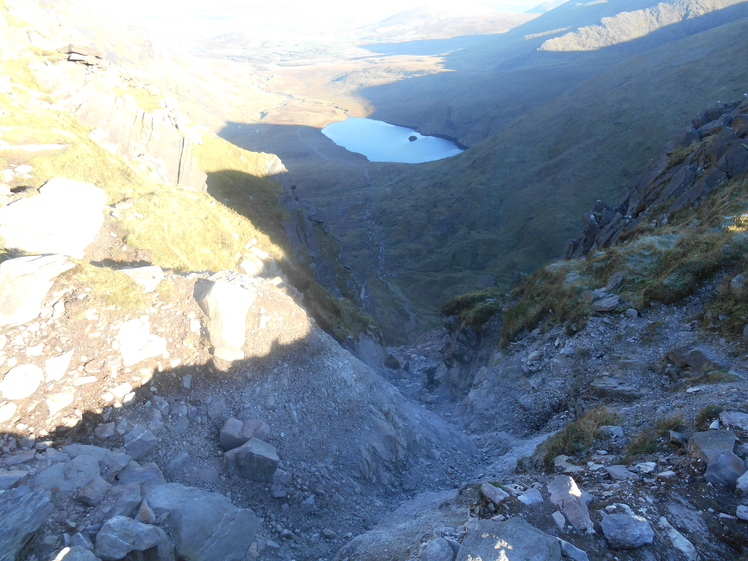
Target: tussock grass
{"type": "Point", "coordinates": [707, 414]}
{"type": "Point", "coordinates": [577, 437]}
{"type": "Point", "coordinates": [653, 439]}
{"type": "Point", "coordinates": [474, 308]}
{"type": "Point", "coordinates": [546, 293]}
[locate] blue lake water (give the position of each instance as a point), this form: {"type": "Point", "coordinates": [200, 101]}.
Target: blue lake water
{"type": "Point", "coordinates": [382, 142]}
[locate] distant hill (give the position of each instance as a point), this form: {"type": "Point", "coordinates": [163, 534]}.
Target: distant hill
{"type": "Point", "coordinates": [546, 6]}
{"type": "Point", "coordinates": [425, 22]}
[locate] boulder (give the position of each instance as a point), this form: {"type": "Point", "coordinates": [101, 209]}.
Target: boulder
{"type": "Point", "coordinates": [709, 444]}
{"type": "Point", "coordinates": [741, 485]}
{"type": "Point", "coordinates": [139, 441]}
{"type": "Point", "coordinates": [568, 498]}
{"type": "Point", "coordinates": [204, 526]}
{"type": "Point", "coordinates": [620, 473]}
{"type": "Point", "coordinates": [76, 553]}
{"type": "Point", "coordinates": [93, 493]}
{"type": "Point", "coordinates": [235, 432]}
{"type": "Point", "coordinates": [734, 419]}
{"type": "Point", "coordinates": [24, 282]}
{"type": "Point", "coordinates": [22, 514]}
{"type": "Point", "coordinates": [255, 460]}
{"type": "Point", "coordinates": [511, 540]}
{"type": "Point", "coordinates": [494, 494]}
{"type": "Point", "coordinates": [20, 382]}
{"type": "Point", "coordinates": [614, 388]}
{"type": "Point", "coordinates": [68, 476]}
{"type": "Point", "coordinates": [693, 356]}
{"type": "Point", "coordinates": [531, 497]}
{"type": "Point", "coordinates": [120, 535]}
{"type": "Point", "coordinates": [63, 219]}
{"type": "Point", "coordinates": [226, 306]}
{"type": "Point", "coordinates": [607, 303]}
{"type": "Point", "coordinates": [725, 469]}
{"type": "Point", "coordinates": [437, 550]}
{"type": "Point", "coordinates": [137, 343]}
{"type": "Point", "coordinates": [624, 531]}
{"type": "Point", "coordinates": [11, 478]}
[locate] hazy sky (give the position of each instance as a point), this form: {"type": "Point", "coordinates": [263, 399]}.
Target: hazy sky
{"type": "Point", "coordinates": [365, 12]}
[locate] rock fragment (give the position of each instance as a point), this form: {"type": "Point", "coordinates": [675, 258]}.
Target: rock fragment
{"type": "Point", "coordinates": [235, 432]}
{"type": "Point", "coordinates": [624, 531]}
{"type": "Point", "coordinates": [139, 441]}
{"type": "Point", "coordinates": [22, 514]}
{"type": "Point", "coordinates": [437, 550]}
{"type": "Point", "coordinates": [493, 493]}
{"type": "Point", "coordinates": [226, 306]}
{"type": "Point", "coordinates": [725, 469]}
{"type": "Point", "coordinates": [254, 460]}
{"type": "Point", "coordinates": [120, 535]}
{"type": "Point", "coordinates": [566, 495]}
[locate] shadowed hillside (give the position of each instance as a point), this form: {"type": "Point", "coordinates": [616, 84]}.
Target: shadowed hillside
{"type": "Point", "coordinates": [510, 202]}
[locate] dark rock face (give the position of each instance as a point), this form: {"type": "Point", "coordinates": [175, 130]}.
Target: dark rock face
{"type": "Point", "coordinates": [21, 515]}
{"type": "Point", "coordinates": [711, 150]}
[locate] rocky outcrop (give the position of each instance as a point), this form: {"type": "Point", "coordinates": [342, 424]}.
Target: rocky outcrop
{"type": "Point", "coordinates": [134, 133]}
{"type": "Point", "coordinates": [710, 151]}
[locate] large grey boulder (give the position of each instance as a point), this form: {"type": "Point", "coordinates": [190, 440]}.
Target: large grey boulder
{"type": "Point", "coordinates": [255, 460]}
{"type": "Point", "coordinates": [511, 540]}
{"type": "Point", "coordinates": [709, 444]}
{"type": "Point", "coordinates": [120, 535]}
{"type": "Point", "coordinates": [725, 469]}
{"type": "Point", "coordinates": [24, 282]}
{"type": "Point", "coordinates": [695, 357]}
{"type": "Point", "coordinates": [567, 496]}
{"type": "Point", "coordinates": [21, 514]}
{"type": "Point", "coordinates": [204, 526]}
{"type": "Point", "coordinates": [624, 531]}
{"type": "Point", "coordinates": [226, 306]}
{"type": "Point", "coordinates": [68, 476]}
{"type": "Point", "coordinates": [64, 219]}
{"type": "Point", "coordinates": [437, 550]}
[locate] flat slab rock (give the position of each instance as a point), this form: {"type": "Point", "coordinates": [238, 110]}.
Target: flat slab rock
{"type": "Point", "coordinates": [64, 218]}
{"type": "Point", "coordinates": [510, 540]}
{"type": "Point", "coordinates": [709, 444]}
{"type": "Point", "coordinates": [24, 283]}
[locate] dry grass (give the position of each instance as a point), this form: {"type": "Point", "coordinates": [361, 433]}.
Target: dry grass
{"type": "Point", "coordinates": [577, 437]}
{"type": "Point", "coordinates": [109, 287]}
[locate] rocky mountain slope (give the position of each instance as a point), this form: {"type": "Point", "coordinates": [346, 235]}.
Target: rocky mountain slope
{"type": "Point", "coordinates": [174, 382]}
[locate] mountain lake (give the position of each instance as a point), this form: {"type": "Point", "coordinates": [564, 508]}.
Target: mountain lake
{"type": "Point", "coordinates": [383, 142]}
